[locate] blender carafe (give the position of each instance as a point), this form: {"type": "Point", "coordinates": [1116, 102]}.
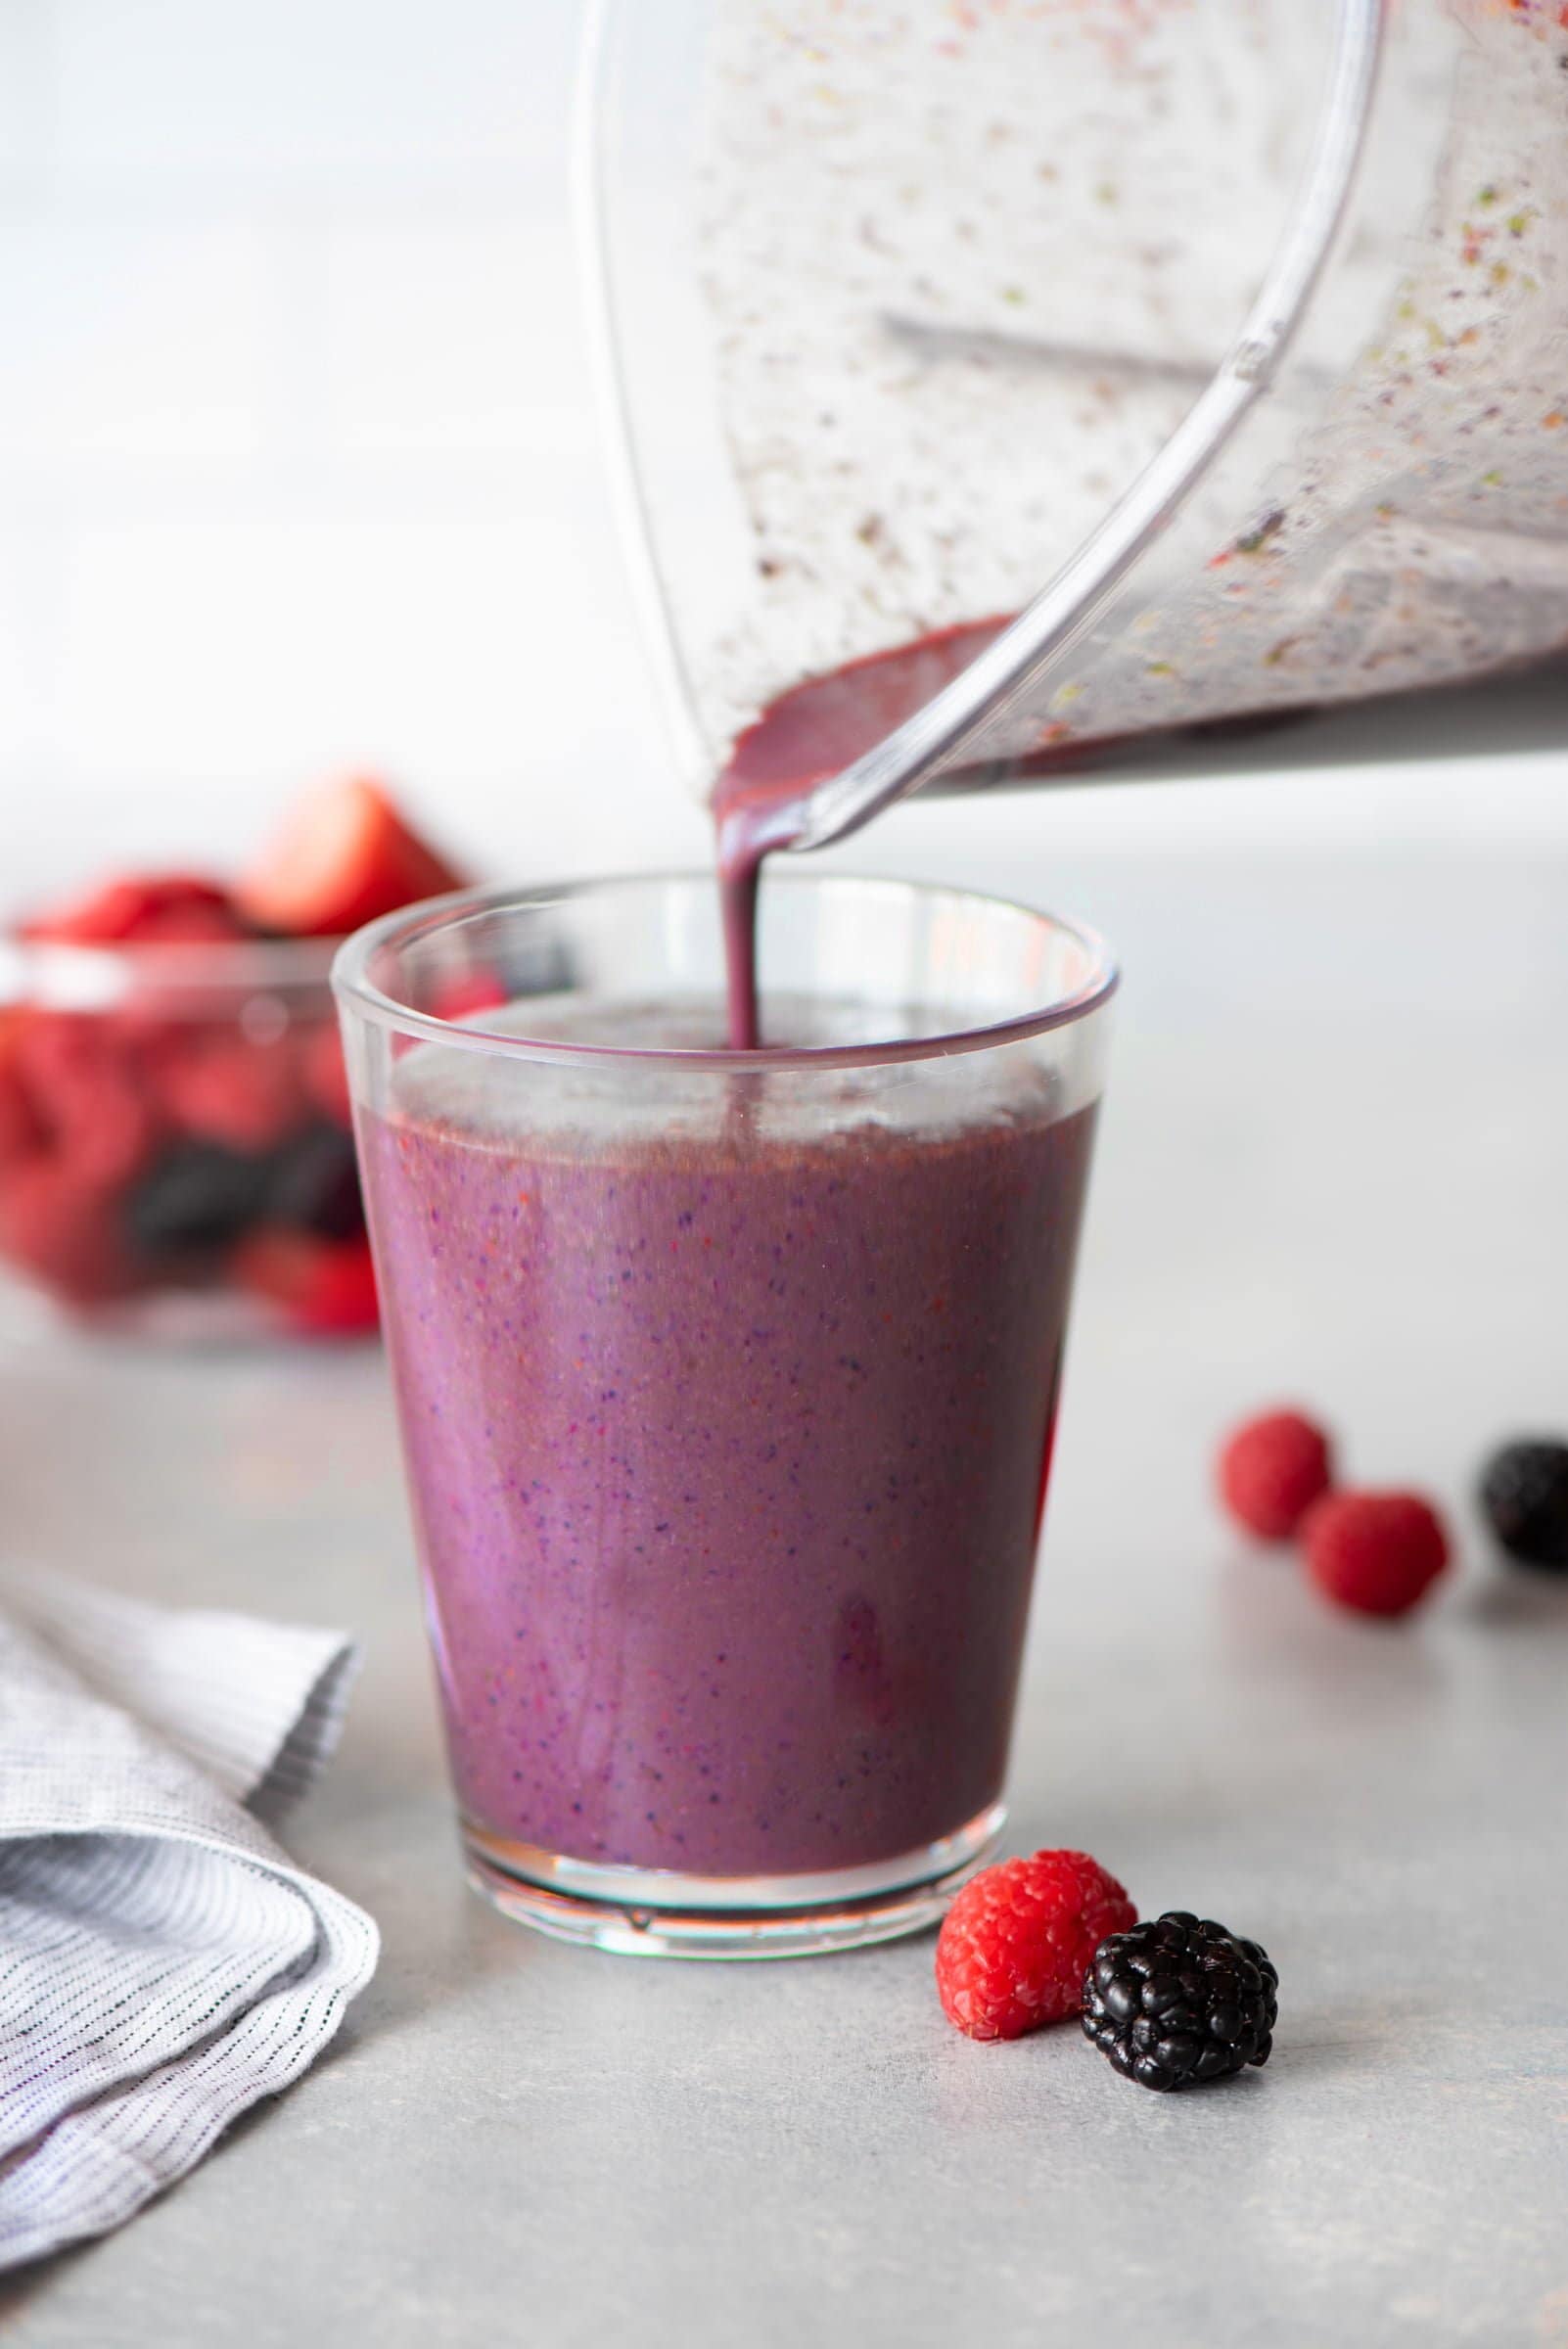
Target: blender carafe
{"type": "Point", "coordinates": [1222, 339]}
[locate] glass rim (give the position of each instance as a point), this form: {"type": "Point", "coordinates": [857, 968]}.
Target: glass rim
{"type": "Point", "coordinates": [353, 986]}
{"type": "Point", "coordinates": [95, 976]}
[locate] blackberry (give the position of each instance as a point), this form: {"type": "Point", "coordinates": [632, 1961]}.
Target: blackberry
{"type": "Point", "coordinates": [1524, 1493]}
{"type": "Point", "coordinates": [314, 1184]}
{"type": "Point", "coordinates": [1179, 2001]}
{"type": "Point", "coordinates": [194, 1203]}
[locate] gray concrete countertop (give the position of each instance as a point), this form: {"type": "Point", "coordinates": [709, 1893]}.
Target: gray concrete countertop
{"type": "Point", "coordinates": [1334, 1164]}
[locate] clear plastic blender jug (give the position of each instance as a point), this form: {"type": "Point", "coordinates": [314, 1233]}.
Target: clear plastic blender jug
{"type": "Point", "coordinates": [998, 385]}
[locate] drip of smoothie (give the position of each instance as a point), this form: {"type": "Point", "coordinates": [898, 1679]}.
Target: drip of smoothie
{"type": "Point", "coordinates": [749, 823]}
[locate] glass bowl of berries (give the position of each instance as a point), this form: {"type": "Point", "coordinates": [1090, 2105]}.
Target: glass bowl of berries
{"type": "Point", "coordinates": [176, 1153]}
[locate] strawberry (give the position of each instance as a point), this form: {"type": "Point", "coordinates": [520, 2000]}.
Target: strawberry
{"type": "Point", "coordinates": [468, 995]}
{"type": "Point", "coordinates": [147, 909]}
{"type": "Point", "coordinates": [344, 856]}
{"type": "Point", "coordinates": [323, 1289]}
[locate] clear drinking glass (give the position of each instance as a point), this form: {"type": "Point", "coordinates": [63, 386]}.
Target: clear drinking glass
{"type": "Point", "coordinates": [726, 1381]}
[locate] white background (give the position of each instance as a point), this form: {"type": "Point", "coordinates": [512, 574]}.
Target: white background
{"type": "Point", "coordinates": [298, 466]}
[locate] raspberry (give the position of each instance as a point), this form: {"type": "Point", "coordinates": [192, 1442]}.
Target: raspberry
{"type": "Point", "coordinates": [1017, 1942]}
{"type": "Point", "coordinates": [218, 1086]}
{"type": "Point", "coordinates": [115, 1142]}
{"type": "Point", "coordinates": [84, 1096]}
{"type": "Point", "coordinates": [63, 1231]}
{"type": "Point", "coordinates": [21, 1131]}
{"type": "Point", "coordinates": [1376, 1552]}
{"type": "Point", "coordinates": [60, 1060]}
{"type": "Point", "coordinates": [1272, 1471]}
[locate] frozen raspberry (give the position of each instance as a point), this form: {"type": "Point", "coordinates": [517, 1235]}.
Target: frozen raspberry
{"type": "Point", "coordinates": [21, 1131]}
{"type": "Point", "coordinates": [1273, 1470]}
{"type": "Point", "coordinates": [61, 1060]}
{"type": "Point", "coordinates": [88, 1105]}
{"type": "Point", "coordinates": [64, 1232]}
{"type": "Point", "coordinates": [218, 1086]}
{"type": "Point", "coordinates": [118, 1138]}
{"type": "Point", "coordinates": [1376, 1552]}
{"type": "Point", "coordinates": [1018, 1940]}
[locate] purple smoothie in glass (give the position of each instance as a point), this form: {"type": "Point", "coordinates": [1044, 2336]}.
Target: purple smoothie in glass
{"type": "Point", "coordinates": [727, 1445]}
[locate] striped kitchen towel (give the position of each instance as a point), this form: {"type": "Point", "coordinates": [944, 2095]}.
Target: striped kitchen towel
{"type": "Point", "coordinates": [163, 1964]}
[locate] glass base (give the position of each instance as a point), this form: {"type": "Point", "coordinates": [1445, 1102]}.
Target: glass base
{"type": "Point", "coordinates": [655, 1912]}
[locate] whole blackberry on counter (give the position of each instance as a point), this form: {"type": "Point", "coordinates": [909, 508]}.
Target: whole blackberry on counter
{"type": "Point", "coordinates": [1179, 2001]}
{"type": "Point", "coordinates": [1524, 1493]}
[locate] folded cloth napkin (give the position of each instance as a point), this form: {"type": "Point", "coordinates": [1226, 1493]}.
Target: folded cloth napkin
{"type": "Point", "coordinates": [163, 1965]}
